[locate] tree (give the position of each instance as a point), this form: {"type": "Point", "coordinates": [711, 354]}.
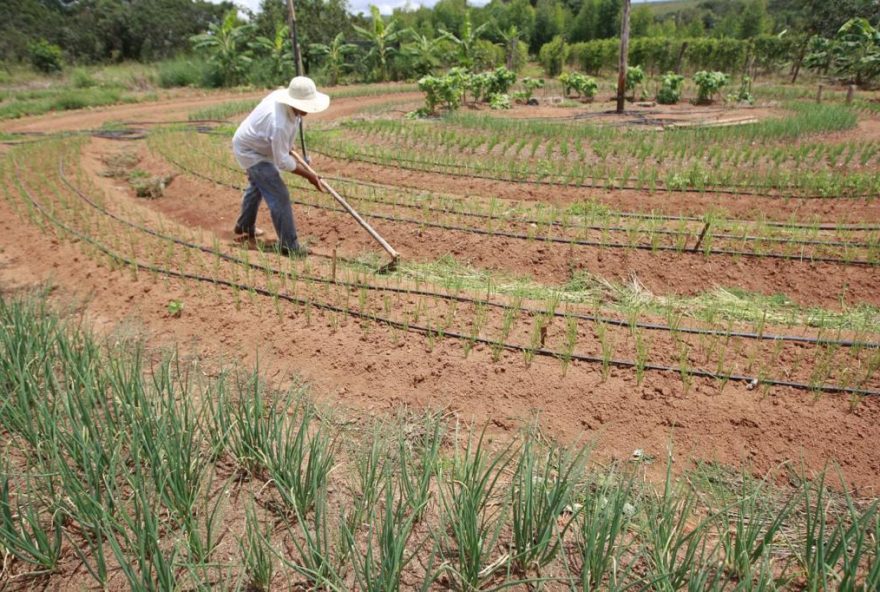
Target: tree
{"type": "Point", "coordinates": [279, 55]}
{"type": "Point", "coordinates": [511, 45]}
{"type": "Point", "coordinates": [382, 40]}
{"type": "Point", "coordinates": [550, 19]}
{"type": "Point", "coordinates": [624, 51]}
{"type": "Point", "coordinates": [856, 51]}
{"type": "Point", "coordinates": [585, 25]}
{"type": "Point", "coordinates": [466, 41]}
{"type": "Point", "coordinates": [318, 22]}
{"type": "Point", "coordinates": [228, 48]}
{"type": "Point", "coordinates": [753, 20]}
{"type": "Point", "coordinates": [421, 51]}
{"type": "Point", "coordinates": [334, 56]}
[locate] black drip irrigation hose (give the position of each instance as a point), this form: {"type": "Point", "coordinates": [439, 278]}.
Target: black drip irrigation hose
{"type": "Point", "coordinates": [426, 330]}
{"type": "Point", "coordinates": [562, 241]}
{"type": "Point", "coordinates": [466, 299]}
{"type": "Point", "coordinates": [425, 166]}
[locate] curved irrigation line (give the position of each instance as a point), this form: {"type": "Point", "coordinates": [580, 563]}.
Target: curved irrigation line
{"type": "Point", "coordinates": [463, 299]}
{"type": "Point", "coordinates": [426, 166]}
{"type": "Point", "coordinates": [427, 330]}
{"type": "Point", "coordinates": [556, 240]}
{"type": "Point", "coordinates": [558, 224]}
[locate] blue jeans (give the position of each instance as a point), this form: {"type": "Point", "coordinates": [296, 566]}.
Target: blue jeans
{"type": "Point", "coordinates": [265, 182]}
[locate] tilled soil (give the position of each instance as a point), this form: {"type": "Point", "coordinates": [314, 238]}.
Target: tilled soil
{"type": "Point", "coordinates": [374, 369]}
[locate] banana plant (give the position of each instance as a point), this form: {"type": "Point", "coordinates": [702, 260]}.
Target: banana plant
{"type": "Point", "coordinates": [466, 42]}
{"type": "Point", "coordinates": [335, 55]}
{"type": "Point", "coordinates": [228, 48]}
{"type": "Point", "coordinates": [278, 52]}
{"type": "Point", "coordinates": [382, 39]}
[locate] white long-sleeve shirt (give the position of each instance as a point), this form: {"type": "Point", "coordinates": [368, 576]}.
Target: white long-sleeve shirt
{"type": "Point", "coordinates": [267, 135]}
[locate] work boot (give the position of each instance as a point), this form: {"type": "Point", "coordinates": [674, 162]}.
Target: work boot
{"type": "Point", "coordinates": [297, 251]}
{"type": "Point", "coordinates": [251, 232]}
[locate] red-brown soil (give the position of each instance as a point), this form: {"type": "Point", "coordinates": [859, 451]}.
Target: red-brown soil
{"type": "Point", "coordinates": [201, 204]}
{"type": "Point", "coordinates": [379, 369]}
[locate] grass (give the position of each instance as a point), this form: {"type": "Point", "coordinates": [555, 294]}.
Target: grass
{"type": "Point", "coordinates": [15, 104]}
{"type": "Point", "coordinates": [132, 465]}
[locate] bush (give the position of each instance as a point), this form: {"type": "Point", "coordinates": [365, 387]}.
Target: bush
{"type": "Point", "coordinates": [500, 81]}
{"type": "Point", "coordinates": [744, 94]}
{"type": "Point", "coordinates": [529, 86]}
{"type": "Point", "coordinates": [553, 55]}
{"type": "Point", "coordinates": [499, 101]}
{"type": "Point", "coordinates": [182, 72]}
{"type": "Point", "coordinates": [45, 57]}
{"type": "Point", "coordinates": [634, 77]}
{"type": "Point", "coordinates": [487, 55]}
{"type": "Point", "coordinates": [709, 84]}
{"type": "Point", "coordinates": [447, 90]}
{"type": "Point", "coordinates": [670, 89]}
{"type": "Point", "coordinates": [82, 79]}
{"type": "Point", "coordinates": [586, 87]}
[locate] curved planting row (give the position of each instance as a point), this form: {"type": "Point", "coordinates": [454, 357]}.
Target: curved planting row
{"type": "Point", "coordinates": [557, 329]}
{"type": "Point", "coordinates": [773, 157]}
{"type": "Point", "coordinates": [583, 226]}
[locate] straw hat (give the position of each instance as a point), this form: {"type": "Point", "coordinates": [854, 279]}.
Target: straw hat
{"type": "Point", "coordinates": [302, 95]}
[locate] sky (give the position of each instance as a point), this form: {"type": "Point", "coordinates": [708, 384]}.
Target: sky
{"type": "Point", "coordinates": [385, 6]}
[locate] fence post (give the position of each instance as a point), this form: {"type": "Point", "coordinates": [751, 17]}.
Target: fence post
{"type": "Point", "coordinates": [850, 93]}
{"type": "Point", "coordinates": [819, 94]}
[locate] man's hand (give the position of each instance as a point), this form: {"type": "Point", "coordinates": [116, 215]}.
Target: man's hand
{"type": "Point", "coordinates": [309, 176]}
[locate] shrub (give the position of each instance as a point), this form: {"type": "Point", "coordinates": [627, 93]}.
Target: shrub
{"type": "Point", "coordinates": [670, 89]}
{"type": "Point", "coordinates": [45, 56]}
{"type": "Point", "coordinates": [634, 77]}
{"type": "Point", "coordinates": [553, 55]}
{"type": "Point", "coordinates": [81, 79]}
{"type": "Point", "coordinates": [500, 81]}
{"type": "Point", "coordinates": [184, 73]}
{"type": "Point", "coordinates": [744, 94]}
{"type": "Point", "coordinates": [499, 101]}
{"type": "Point", "coordinates": [585, 86]}
{"type": "Point", "coordinates": [448, 89]}
{"type": "Point", "coordinates": [529, 86]}
{"type": "Point", "coordinates": [709, 84]}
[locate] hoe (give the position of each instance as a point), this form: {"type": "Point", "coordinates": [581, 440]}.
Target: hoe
{"type": "Point", "coordinates": [395, 256]}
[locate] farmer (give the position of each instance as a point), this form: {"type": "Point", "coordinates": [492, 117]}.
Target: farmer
{"type": "Point", "coordinates": [262, 145]}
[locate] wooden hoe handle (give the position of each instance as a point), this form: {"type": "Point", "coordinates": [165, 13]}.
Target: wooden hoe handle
{"type": "Point", "coordinates": [364, 224]}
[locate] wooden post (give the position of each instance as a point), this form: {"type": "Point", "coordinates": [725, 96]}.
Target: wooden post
{"type": "Point", "coordinates": [624, 50]}
{"type": "Point", "coordinates": [850, 93]}
{"type": "Point", "coordinates": [819, 94]}
{"type": "Point", "coordinates": [294, 39]}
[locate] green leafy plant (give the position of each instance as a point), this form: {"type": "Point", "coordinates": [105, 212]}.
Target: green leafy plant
{"type": "Point", "coordinates": [709, 84]}
{"type": "Point", "coordinates": [227, 46]}
{"type": "Point", "coordinates": [744, 94]}
{"type": "Point", "coordinates": [382, 39]}
{"type": "Point", "coordinates": [529, 85]}
{"type": "Point", "coordinates": [499, 101]}
{"type": "Point", "coordinates": [670, 89]}
{"type": "Point", "coordinates": [634, 77]}
{"type": "Point", "coordinates": [175, 308]}
{"type": "Point", "coordinates": [335, 55]}
{"type": "Point", "coordinates": [45, 57]}
{"type": "Point", "coordinates": [584, 86]}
